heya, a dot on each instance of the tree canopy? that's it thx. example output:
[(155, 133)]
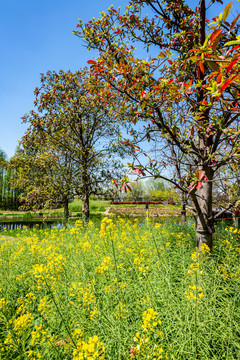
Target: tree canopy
[(77, 124), (192, 66)]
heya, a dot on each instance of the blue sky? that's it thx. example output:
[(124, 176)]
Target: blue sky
[(36, 36)]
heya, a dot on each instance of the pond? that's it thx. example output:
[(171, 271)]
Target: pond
[(36, 224), (95, 218), (14, 224)]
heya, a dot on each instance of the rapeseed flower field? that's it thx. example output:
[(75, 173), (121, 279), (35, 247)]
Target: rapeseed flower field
[(119, 290)]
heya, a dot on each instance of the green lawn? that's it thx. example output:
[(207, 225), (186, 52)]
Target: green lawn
[(95, 206)]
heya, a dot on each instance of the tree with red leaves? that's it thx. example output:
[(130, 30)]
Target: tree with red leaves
[(195, 66)]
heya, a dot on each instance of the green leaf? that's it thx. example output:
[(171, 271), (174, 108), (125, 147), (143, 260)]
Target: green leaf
[(226, 11), (235, 42)]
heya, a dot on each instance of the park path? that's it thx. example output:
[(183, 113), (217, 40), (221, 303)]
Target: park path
[(107, 211)]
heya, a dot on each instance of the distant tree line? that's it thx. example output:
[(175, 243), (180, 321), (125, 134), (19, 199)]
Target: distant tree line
[(150, 190), (9, 196)]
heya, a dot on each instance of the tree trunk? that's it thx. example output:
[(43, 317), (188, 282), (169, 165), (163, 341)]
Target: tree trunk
[(183, 207), (85, 208), (66, 212), (235, 215), (1, 185), (203, 196), (203, 204)]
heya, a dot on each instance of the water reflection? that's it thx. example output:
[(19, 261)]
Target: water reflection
[(30, 225)]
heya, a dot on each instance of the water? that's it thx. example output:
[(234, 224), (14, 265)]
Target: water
[(31, 225)]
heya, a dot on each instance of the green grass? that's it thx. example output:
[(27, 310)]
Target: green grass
[(102, 205), (94, 205), (120, 291)]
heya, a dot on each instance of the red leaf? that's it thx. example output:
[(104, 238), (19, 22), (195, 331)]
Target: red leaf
[(199, 184), (235, 48), (192, 187), (232, 64), (138, 171), (215, 34), (216, 41), (228, 82), (91, 62), (132, 353), (192, 50), (234, 22), (219, 78), (143, 93)]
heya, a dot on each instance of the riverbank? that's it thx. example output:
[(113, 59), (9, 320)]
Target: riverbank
[(97, 207)]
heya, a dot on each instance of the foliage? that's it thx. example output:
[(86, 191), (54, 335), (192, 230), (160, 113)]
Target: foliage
[(187, 90), (137, 192), (147, 191), (119, 290), (159, 190), (45, 175), (227, 188), (77, 123), (9, 197), (165, 195)]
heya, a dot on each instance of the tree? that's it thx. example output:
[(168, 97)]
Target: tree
[(177, 165), (46, 176), (77, 123), (154, 185), (3, 159), (227, 190), (137, 192), (9, 197), (159, 190), (190, 68)]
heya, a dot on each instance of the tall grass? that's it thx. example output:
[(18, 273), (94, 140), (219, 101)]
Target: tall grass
[(119, 291)]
